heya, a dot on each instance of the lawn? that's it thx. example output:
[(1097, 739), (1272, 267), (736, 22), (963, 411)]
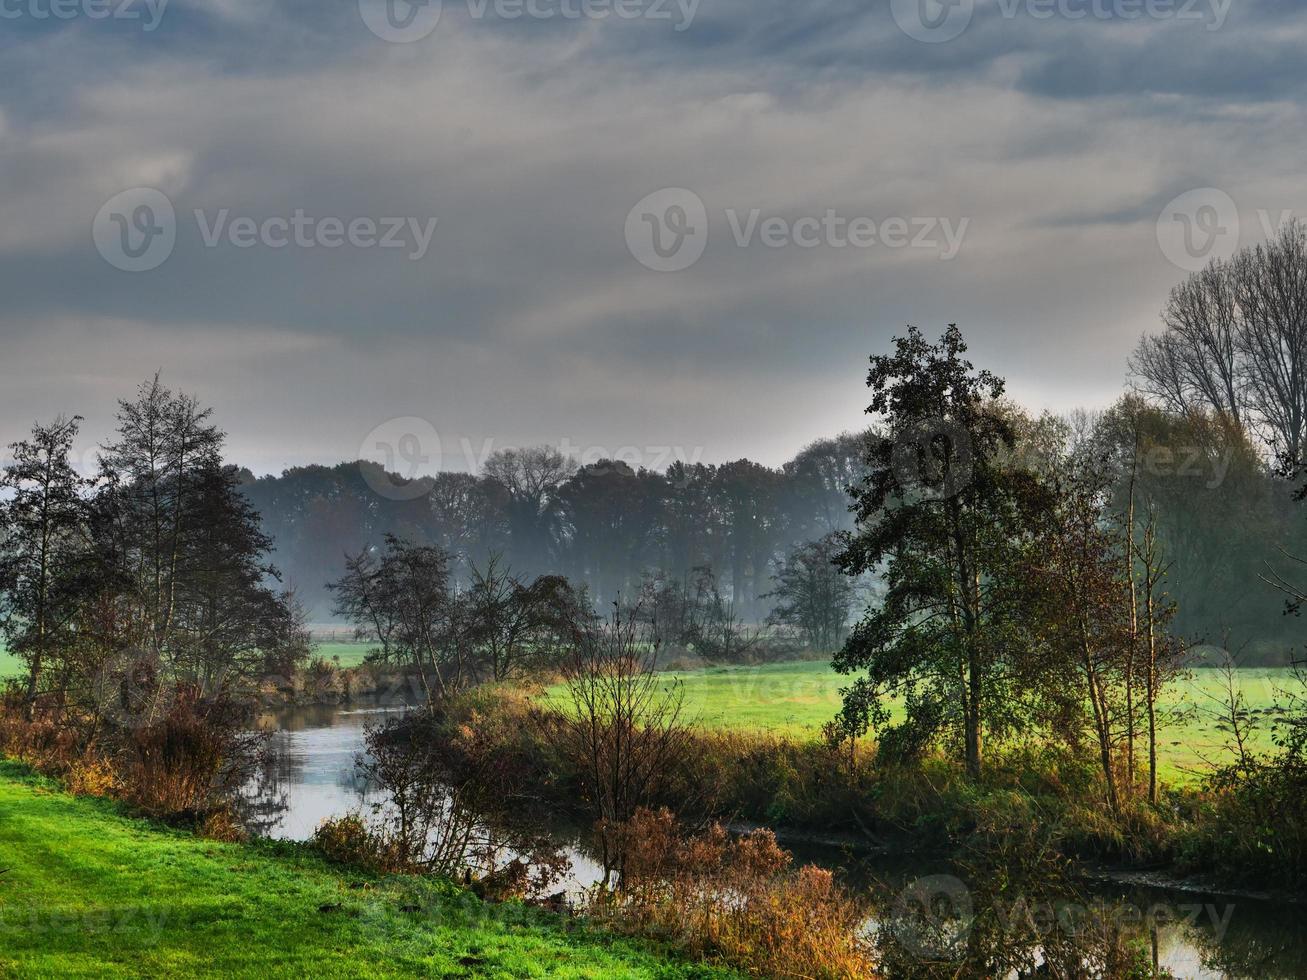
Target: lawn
[(86, 891), (346, 654), (796, 699), (10, 666)]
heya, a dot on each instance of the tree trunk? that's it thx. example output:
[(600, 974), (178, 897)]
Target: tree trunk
[(1133, 636)]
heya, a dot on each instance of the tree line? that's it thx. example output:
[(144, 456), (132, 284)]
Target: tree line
[(604, 525)]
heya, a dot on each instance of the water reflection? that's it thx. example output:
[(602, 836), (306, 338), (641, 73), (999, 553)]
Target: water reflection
[(311, 775), (310, 772)]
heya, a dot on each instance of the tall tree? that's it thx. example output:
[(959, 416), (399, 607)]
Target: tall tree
[(531, 478), (43, 548), (402, 598), (947, 523), (183, 556)]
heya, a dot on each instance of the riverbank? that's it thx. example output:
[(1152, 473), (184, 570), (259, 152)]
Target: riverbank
[(86, 890), (795, 699)]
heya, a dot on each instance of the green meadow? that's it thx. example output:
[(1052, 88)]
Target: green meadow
[(797, 699), (10, 666), (345, 654), (88, 892)]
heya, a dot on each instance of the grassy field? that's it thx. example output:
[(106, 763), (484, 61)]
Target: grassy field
[(85, 891), (796, 699), (9, 664), (346, 654)]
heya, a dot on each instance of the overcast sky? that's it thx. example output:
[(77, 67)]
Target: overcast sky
[(1015, 178)]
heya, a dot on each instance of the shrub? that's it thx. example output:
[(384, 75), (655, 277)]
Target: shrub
[(92, 776), (349, 841), (191, 762), (736, 899)]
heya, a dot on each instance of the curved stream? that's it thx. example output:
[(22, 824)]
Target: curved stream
[(311, 776)]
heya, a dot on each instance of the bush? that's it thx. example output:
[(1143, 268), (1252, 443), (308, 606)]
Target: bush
[(350, 842), (190, 763), (1250, 824), (736, 899), (93, 776)]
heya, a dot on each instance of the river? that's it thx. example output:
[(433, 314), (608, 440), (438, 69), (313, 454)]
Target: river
[(311, 776)]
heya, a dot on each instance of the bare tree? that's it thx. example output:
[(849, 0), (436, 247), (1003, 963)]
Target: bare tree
[(403, 600), (1271, 285), (621, 727), (814, 593), (514, 625), (1161, 651), (1235, 343)]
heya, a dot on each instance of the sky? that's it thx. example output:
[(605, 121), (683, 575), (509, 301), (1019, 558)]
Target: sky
[(651, 229)]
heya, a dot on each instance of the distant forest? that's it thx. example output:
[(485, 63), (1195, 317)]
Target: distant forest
[(1226, 521)]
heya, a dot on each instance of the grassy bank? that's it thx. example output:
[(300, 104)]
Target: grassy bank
[(87, 891)]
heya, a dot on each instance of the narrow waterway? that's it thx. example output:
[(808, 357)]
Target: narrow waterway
[(311, 775)]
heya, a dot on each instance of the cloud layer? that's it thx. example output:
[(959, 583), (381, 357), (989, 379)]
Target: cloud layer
[(1057, 139)]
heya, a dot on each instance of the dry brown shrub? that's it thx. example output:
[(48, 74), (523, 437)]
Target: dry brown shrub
[(222, 825), (92, 776), (735, 899), (190, 762), (349, 841)]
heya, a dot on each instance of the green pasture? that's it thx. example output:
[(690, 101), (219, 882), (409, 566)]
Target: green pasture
[(10, 666), (346, 654), (797, 699)]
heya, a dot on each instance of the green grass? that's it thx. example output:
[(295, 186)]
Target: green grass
[(10, 666), (86, 891), (797, 699), (347, 654)]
